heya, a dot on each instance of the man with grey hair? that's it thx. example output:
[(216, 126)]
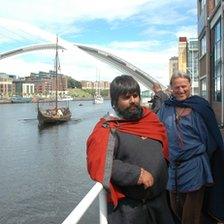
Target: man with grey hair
[(196, 155)]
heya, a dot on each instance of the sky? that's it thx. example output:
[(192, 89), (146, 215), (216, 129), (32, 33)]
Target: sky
[(143, 32)]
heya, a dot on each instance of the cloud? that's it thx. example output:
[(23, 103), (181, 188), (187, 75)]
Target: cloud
[(143, 32), (140, 45), (187, 31), (23, 68), (56, 11)]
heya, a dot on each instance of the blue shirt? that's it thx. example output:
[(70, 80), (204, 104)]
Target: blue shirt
[(188, 138)]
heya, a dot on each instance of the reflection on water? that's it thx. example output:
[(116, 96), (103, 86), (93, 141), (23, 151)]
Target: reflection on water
[(43, 171)]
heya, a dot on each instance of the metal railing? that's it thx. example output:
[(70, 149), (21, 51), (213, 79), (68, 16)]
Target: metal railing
[(97, 190)]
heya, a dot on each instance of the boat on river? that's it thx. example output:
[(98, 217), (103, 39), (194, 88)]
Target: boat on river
[(21, 99), (53, 116), (57, 114), (97, 98), (66, 98)]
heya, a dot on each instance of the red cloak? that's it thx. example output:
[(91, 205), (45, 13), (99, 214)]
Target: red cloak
[(148, 126)]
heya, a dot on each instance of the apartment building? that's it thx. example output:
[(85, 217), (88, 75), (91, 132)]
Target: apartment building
[(45, 83), (6, 88), (27, 89), (192, 63), (211, 54), (23, 88), (182, 54), (173, 65), (95, 85), (187, 61)]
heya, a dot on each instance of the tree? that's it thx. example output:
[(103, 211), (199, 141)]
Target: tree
[(72, 83)]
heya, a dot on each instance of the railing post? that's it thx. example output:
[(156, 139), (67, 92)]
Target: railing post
[(103, 207), (84, 204)]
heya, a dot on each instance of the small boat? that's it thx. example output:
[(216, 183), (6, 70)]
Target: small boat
[(66, 98), (98, 99), (20, 99), (56, 114), (53, 116)]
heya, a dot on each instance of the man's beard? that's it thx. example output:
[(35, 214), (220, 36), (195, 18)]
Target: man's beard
[(130, 113)]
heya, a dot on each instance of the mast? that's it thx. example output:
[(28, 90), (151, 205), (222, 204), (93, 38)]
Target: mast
[(56, 74), (99, 84)]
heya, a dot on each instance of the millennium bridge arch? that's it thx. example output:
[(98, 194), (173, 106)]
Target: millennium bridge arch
[(28, 49), (114, 61)]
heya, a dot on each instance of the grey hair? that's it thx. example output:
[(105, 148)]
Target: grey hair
[(157, 85), (179, 74)]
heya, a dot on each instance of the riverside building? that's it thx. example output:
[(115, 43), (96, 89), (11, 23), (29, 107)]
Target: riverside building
[(211, 54)]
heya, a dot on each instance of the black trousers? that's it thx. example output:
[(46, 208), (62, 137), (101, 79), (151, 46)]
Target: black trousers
[(188, 206), (130, 211)]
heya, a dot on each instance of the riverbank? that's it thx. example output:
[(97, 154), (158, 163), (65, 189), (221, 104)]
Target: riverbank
[(7, 101)]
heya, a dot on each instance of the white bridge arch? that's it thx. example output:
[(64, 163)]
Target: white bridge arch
[(104, 56)]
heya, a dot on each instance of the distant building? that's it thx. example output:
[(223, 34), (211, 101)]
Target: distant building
[(192, 63), (87, 84), (61, 83), (211, 54), (6, 89), (23, 88), (45, 83), (182, 54), (104, 85), (27, 89), (95, 85), (187, 61), (173, 65), (40, 75)]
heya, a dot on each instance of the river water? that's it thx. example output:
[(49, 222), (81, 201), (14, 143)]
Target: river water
[(43, 172)]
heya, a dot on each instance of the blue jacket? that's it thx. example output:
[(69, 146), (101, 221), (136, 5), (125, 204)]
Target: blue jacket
[(214, 203)]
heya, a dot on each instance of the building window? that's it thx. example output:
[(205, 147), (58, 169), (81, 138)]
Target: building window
[(203, 46), (193, 59), (31, 89), (217, 2), (201, 6), (204, 88), (217, 96)]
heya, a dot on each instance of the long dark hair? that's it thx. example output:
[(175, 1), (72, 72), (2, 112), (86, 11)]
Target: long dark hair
[(122, 85)]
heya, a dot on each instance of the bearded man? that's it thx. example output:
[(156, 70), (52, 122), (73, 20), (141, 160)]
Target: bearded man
[(126, 153)]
